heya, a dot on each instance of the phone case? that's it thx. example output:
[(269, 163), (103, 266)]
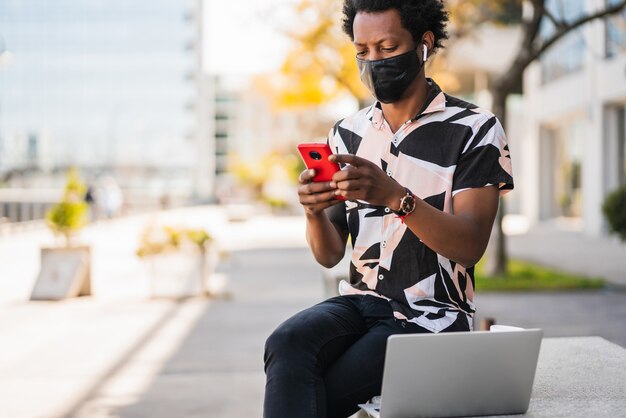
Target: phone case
[(315, 156)]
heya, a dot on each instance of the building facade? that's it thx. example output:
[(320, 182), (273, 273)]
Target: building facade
[(111, 86), (573, 149)]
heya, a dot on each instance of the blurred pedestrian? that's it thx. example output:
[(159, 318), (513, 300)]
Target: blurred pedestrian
[(110, 198), (91, 200)]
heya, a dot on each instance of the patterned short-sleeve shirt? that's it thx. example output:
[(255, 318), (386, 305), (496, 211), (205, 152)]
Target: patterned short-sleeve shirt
[(449, 147)]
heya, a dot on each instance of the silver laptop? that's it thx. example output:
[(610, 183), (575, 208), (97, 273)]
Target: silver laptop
[(458, 374)]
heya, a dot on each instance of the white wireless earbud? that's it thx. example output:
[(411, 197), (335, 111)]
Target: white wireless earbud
[(425, 55)]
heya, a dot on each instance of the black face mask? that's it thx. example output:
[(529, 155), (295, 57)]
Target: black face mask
[(388, 79)]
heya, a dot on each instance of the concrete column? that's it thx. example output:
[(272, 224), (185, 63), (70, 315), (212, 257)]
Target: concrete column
[(530, 150), (204, 173), (41, 211), (13, 215), (24, 211), (610, 148), (546, 153), (593, 174)]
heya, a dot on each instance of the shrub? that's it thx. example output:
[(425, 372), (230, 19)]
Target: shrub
[(69, 215), (614, 209), (157, 240)]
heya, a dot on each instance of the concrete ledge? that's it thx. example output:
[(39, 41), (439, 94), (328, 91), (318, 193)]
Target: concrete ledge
[(334, 275), (579, 377)]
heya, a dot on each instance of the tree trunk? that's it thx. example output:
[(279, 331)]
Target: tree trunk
[(506, 83), (509, 81), (496, 262)]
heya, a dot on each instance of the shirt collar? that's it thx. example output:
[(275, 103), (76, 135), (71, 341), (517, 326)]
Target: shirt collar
[(435, 102)]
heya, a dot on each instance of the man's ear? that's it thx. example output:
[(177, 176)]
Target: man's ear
[(429, 40)]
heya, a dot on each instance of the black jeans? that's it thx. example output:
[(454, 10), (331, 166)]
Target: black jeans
[(325, 360)]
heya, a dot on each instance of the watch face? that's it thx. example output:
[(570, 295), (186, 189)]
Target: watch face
[(407, 205)]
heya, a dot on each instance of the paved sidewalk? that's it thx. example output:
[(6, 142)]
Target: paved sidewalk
[(216, 370), (116, 271), (55, 356), (51, 354), (119, 354), (572, 251)]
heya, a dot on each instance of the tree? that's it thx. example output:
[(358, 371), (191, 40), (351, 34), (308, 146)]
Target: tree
[(614, 209), (69, 215), (532, 47), (321, 65), (323, 57)]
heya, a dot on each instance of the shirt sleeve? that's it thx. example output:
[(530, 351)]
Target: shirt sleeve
[(337, 213), (485, 161)]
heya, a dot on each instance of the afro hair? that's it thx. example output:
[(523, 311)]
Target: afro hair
[(417, 16)]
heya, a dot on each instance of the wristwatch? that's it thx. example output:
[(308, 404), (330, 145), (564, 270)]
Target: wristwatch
[(407, 205)]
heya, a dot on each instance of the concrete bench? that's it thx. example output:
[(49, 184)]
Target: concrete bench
[(333, 276), (577, 377)]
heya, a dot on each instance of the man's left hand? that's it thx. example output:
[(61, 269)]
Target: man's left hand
[(364, 180)]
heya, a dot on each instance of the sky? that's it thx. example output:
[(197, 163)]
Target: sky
[(243, 36)]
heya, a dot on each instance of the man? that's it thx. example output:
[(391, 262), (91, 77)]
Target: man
[(421, 179)]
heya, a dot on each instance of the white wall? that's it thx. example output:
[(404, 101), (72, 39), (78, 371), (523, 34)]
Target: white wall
[(585, 96)]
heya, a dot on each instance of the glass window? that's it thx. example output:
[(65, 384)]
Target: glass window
[(98, 79), (621, 147), (565, 170), (567, 55), (615, 32)]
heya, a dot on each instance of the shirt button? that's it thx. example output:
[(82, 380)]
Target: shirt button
[(384, 244), (380, 277), (387, 210), (389, 173)]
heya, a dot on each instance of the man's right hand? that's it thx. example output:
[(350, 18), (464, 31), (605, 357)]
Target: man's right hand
[(315, 196)]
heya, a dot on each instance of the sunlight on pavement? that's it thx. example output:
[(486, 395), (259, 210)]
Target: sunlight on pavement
[(264, 232), (106, 349), (133, 378), (53, 352), (116, 270)]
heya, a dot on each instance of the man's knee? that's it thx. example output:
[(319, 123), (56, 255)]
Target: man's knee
[(283, 343), (277, 341)]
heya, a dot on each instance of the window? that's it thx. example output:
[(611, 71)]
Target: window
[(621, 146), (567, 55), (562, 163), (615, 32)]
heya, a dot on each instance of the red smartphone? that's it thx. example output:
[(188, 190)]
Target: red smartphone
[(315, 156)]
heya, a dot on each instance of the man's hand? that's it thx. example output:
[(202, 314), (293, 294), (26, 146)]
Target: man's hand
[(315, 196), (364, 180)]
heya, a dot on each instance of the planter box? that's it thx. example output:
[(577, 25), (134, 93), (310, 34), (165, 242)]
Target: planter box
[(65, 273), (180, 274)]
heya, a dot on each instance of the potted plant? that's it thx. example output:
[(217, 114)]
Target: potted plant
[(180, 260), (614, 209), (65, 268)]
